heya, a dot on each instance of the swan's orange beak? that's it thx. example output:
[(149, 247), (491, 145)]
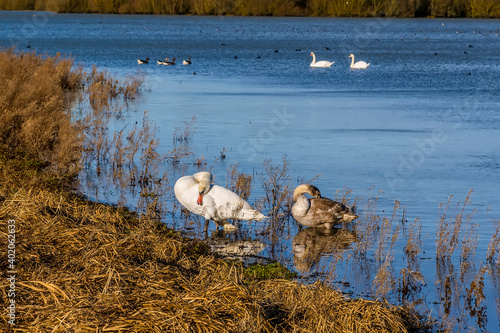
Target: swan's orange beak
[(200, 199)]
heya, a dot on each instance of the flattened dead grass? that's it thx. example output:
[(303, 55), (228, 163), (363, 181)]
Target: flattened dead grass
[(85, 266)]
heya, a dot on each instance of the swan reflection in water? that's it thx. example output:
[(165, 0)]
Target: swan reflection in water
[(221, 243), (310, 244)]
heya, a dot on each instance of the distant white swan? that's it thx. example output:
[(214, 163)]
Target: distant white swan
[(322, 63), (318, 211), (143, 61), (213, 202), (359, 64), (187, 62)]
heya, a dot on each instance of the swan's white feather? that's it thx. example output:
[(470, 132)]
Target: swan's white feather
[(218, 204)]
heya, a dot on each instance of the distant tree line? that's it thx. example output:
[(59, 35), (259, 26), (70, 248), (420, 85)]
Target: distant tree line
[(334, 8)]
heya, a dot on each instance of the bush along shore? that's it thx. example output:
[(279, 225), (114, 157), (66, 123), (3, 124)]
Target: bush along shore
[(334, 8), (73, 265)]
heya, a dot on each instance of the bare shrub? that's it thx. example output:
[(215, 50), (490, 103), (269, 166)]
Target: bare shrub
[(277, 188), (238, 182)]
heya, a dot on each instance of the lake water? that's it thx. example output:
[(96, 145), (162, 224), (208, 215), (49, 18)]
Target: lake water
[(420, 124)]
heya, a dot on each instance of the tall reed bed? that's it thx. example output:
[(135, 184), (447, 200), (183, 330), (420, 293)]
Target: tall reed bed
[(36, 99), (338, 8)]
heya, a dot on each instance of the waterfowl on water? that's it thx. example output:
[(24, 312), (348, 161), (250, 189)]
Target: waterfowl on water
[(359, 64), (143, 61), (168, 63), (162, 62), (318, 211), (213, 202), (322, 63), (187, 62)]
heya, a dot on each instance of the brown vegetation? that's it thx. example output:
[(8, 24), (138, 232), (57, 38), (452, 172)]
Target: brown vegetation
[(336, 8), (85, 266), (33, 110)]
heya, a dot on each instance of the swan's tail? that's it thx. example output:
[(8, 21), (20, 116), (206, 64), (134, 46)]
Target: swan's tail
[(253, 215), (250, 215), (348, 217), (259, 216)]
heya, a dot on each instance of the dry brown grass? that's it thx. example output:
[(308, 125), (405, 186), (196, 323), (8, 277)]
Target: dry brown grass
[(36, 95), (90, 267), (449, 227), (183, 134), (494, 246), (413, 245)]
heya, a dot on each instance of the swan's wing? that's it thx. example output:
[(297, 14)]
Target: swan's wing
[(229, 205), (327, 210), (323, 63)]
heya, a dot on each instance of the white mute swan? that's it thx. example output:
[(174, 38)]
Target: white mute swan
[(318, 211), (213, 202), (322, 63), (359, 64), (143, 61)]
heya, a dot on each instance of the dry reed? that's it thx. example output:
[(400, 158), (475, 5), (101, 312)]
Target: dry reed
[(494, 246), (36, 96), (448, 230), (339, 8), (183, 134), (413, 241)]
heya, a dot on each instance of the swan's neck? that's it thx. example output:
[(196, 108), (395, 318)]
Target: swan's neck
[(204, 180), (304, 188), (314, 59), (301, 206), (352, 61)]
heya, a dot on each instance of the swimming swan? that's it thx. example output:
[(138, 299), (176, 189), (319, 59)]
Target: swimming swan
[(322, 63), (359, 64), (318, 211), (213, 202)]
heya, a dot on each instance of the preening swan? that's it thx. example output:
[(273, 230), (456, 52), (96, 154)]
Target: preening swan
[(143, 61), (318, 211), (213, 202), (322, 63), (359, 64)]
